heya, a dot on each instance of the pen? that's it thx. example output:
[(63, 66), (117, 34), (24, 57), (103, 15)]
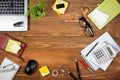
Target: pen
[(92, 49), (78, 70), (6, 65), (86, 66), (71, 75)]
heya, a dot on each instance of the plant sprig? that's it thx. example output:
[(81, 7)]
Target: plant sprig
[(37, 11)]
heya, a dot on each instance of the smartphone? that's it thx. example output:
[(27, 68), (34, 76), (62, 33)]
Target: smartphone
[(104, 54), (60, 6)]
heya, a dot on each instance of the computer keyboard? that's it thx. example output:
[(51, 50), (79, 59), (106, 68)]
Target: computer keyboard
[(11, 7)]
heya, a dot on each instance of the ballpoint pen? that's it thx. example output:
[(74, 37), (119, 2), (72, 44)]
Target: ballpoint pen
[(5, 69), (78, 70), (72, 75), (6, 65)]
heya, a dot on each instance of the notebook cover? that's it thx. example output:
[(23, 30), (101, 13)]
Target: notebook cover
[(4, 41), (110, 8)]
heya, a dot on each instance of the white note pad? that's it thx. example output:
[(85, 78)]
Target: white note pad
[(100, 17), (8, 75)]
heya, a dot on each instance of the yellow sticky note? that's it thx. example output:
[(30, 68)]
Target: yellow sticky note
[(60, 10), (56, 11), (44, 71), (13, 46)]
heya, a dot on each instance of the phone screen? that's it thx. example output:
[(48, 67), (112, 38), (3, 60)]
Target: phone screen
[(60, 6)]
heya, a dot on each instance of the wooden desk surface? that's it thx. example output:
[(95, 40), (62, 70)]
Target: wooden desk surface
[(53, 42)]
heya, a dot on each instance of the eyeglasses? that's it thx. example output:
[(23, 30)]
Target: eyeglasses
[(87, 27)]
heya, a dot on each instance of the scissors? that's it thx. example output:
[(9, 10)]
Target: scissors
[(66, 69)]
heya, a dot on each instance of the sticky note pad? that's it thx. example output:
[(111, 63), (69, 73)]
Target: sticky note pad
[(60, 10), (13, 46), (44, 71), (56, 11)]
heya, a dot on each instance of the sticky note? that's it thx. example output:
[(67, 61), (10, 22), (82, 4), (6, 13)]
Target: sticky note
[(60, 10), (56, 11), (44, 71), (13, 46)]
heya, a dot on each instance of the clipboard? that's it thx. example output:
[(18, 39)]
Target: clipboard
[(104, 13)]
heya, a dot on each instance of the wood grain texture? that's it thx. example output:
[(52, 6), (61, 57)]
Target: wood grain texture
[(53, 42)]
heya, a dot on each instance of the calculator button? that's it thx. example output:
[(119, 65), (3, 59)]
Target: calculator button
[(100, 56)]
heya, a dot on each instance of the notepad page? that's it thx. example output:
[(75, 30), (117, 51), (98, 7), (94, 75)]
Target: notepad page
[(100, 17), (11, 74)]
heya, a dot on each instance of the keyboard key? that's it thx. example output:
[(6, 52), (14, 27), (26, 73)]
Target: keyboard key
[(11, 7)]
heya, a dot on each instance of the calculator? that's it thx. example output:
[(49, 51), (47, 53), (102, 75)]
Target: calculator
[(104, 54)]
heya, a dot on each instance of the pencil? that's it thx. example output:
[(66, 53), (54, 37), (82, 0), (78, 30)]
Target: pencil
[(92, 49), (78, 70)]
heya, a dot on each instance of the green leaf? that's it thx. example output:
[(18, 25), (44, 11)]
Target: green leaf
[(37, 11)]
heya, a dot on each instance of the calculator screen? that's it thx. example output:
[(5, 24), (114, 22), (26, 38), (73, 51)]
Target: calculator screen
[(111, 53)]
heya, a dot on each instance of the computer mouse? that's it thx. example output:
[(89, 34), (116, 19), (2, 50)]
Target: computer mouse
[(30, 67)]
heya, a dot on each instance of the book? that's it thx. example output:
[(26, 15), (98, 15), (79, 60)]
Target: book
[(8, 69), (90, 59), (104, 13)]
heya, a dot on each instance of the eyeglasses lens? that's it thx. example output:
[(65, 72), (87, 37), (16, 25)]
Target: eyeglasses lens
[(82, 23), (87, 32)]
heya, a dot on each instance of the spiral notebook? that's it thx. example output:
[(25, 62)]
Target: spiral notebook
[(8, 69)]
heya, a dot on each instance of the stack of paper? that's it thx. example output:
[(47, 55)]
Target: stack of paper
[(61, 10), (90, 59)]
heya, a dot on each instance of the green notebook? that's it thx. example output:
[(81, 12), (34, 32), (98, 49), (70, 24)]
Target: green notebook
[(104, 13)]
